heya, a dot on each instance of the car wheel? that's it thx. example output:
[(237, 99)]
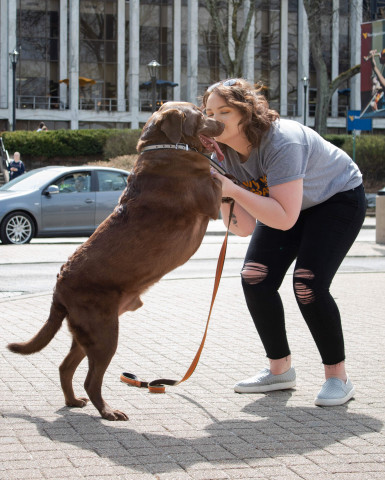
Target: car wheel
[(17, 228)]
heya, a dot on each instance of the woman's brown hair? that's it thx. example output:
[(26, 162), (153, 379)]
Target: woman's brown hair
[(257, 117)]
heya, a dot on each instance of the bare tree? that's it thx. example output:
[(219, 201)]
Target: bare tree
[(325, 85), (228, 30), (229, 34)]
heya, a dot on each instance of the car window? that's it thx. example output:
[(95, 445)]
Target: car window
[(111, 181), (29, 181), (74, 182)]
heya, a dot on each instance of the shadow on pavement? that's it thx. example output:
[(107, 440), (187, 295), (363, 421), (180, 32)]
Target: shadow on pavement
[(271, 429)]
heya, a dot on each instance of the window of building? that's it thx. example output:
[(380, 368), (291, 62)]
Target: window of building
[(37, 38), (156, 43), (98, 49)]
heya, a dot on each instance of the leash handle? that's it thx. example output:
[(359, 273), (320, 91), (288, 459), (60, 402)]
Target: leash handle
[(158, 385)]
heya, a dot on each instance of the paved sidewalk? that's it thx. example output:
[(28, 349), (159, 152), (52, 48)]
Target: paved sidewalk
[(200, 429)]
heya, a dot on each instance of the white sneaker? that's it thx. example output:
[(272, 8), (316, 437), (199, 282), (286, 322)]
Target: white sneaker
[(265, 381), (334, 392)]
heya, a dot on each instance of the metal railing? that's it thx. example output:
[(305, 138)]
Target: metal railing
[(33, 102), (101, 104), (292, 110), (98, 104), (4, 162)]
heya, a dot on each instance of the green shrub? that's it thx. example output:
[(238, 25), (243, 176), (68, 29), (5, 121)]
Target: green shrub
[(72, 146), (337, 140), (369, 156), (121, 143), (57, 143)]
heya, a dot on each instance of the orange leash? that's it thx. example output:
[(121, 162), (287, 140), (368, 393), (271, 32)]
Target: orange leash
[(158, 385)]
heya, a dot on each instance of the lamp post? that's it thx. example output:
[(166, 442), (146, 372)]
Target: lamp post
[(153, 68), (14, 57), (305, 84)]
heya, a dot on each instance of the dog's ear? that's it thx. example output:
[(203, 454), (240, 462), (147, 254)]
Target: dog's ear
[(172, 121), (190, 125), (150, 127)]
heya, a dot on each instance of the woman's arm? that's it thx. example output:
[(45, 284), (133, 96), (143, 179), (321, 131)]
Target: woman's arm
[(280, 210), (376, 70), (241, 222)]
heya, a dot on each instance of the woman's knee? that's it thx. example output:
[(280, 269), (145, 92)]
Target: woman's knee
[(303, 290), (254, 273)]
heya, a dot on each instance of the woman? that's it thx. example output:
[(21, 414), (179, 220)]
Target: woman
[(309, 202)]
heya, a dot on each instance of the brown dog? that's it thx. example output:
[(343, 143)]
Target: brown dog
[(158, 224)]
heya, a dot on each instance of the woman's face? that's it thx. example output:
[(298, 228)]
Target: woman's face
[(217, 108)]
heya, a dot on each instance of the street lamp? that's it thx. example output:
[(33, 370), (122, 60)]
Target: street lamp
[(14, 57), (305, 84), (153, 68)]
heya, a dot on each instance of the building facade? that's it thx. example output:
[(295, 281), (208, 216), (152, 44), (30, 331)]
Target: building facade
[(83, 63)]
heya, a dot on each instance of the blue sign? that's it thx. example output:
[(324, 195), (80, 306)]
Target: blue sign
[(355, 122)]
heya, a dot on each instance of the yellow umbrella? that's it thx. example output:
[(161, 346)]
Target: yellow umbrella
[(83, 81)]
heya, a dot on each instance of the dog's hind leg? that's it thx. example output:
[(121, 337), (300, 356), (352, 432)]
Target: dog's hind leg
[(99, 354), (67, 370)]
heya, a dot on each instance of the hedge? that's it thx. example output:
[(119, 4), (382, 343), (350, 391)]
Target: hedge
[(81, 145), (69, 143), (369, 156)]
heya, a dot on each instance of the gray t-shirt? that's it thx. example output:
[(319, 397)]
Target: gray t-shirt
[(289, 151)]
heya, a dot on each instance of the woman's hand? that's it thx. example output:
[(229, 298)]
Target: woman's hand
[(227, 184), (372, 54)]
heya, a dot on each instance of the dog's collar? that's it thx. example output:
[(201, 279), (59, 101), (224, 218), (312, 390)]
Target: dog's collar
[(163, 146)]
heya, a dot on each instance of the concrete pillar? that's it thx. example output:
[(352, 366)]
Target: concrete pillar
[(303, 56), (120, 60), (63, 60), (284, 40), (4, 57), (248, 58), (12, 43), (177, 67), (133, 73), (73, 67), (380, 219), (230, 41), (355, 52), (335, 51), (192, 51)]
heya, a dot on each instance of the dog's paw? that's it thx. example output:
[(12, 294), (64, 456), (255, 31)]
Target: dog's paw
[(114, 415), (77, 402)]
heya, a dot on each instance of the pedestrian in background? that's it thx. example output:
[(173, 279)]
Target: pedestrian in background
[(309, 202), (42, 126), (16, 167)]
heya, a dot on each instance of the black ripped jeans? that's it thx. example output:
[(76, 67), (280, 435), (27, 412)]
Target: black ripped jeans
[(319, 241)]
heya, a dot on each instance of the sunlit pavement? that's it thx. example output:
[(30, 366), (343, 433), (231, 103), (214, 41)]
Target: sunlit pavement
[(200, 429)]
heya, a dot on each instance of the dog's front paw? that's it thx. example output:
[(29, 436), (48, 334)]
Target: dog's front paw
[(77, 402), (114, 415)]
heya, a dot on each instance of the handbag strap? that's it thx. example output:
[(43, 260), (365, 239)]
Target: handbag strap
[(158, 385)]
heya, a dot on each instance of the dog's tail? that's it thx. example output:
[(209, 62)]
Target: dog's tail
[(45, 334)]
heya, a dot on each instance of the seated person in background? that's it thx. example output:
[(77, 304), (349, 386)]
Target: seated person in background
[(80, 184)]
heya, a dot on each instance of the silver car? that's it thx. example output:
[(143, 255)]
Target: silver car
[(58, 202)]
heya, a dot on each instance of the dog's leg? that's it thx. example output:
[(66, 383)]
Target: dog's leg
[(67, 370), (99, 356)]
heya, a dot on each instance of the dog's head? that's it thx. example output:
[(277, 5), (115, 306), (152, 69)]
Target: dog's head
[(181, 122)]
